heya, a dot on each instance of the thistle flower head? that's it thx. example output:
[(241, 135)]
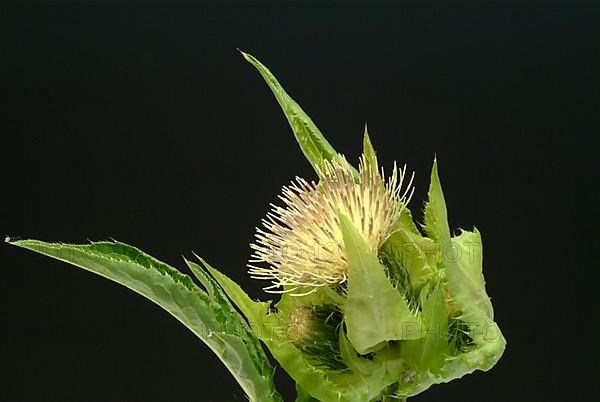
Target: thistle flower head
[(301, 247)]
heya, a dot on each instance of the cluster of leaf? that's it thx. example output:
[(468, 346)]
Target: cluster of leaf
[(414, 315)]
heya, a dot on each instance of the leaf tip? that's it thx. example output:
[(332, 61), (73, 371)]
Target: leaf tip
[(344, 220), (249, 57), (200, 259), (16, 241), (435, 176), (366, 139), (368, 151)]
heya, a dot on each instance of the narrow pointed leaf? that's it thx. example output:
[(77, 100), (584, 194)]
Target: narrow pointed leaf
[(369, 151), (229, 314), (436, 216), (314, 145), (254, 311), (210, 320)]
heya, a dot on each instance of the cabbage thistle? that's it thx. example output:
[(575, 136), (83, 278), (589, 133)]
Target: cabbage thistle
[(372, 307)]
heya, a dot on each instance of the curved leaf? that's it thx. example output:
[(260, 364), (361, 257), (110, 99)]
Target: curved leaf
[(209, 318), (229, 314), (313, 143)]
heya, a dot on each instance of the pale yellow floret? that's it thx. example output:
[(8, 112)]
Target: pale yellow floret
[(301, 245), (300, 325)]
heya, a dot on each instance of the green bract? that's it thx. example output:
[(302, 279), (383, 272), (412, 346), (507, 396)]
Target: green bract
[(410, 314)]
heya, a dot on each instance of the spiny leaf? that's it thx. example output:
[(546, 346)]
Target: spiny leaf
[(254, 311), (436, 216), (209, 319), (314, 145), (230, 315), (467, 289)]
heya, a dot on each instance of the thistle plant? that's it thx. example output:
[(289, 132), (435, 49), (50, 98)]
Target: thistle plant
[(370, 306)]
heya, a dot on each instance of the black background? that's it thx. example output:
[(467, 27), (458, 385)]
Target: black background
[(140, 122)]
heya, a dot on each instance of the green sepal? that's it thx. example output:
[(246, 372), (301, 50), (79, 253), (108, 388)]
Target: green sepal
[(210, 318), (418, 255), (406, 222), (436, 216), (466, 287), (464, 270), (430, 352), (375, 312), (314, 145), (387, 356), (355, 362)]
